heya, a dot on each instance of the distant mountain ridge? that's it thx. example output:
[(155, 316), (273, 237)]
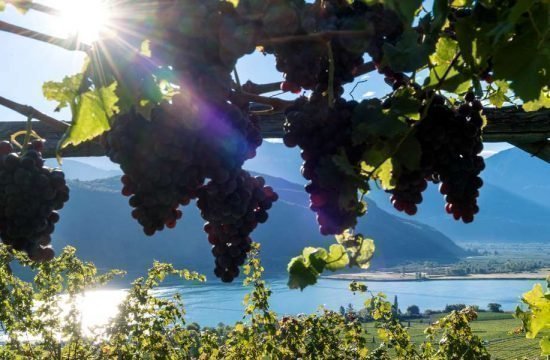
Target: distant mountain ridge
[(97, 222), (514, 201)]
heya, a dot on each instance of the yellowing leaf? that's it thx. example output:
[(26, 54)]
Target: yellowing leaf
[(545, 345), (91, 115), (366, 252), (542, 102), (538, 317), (146, 48), (337, 257)]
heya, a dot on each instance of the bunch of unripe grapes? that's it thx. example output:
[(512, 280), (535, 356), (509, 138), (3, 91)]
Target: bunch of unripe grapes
[(30, 195), (322, 132), (233, 209), (451, 145)]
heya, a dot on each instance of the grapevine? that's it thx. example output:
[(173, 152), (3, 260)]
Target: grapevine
[(181, 127), (30, 195)]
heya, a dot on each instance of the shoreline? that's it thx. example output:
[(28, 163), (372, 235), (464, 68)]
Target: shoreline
[(542, 274)]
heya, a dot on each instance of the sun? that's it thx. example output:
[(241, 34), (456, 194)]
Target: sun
[(86, 19)]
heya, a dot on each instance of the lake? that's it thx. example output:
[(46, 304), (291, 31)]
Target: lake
[(211, 303)]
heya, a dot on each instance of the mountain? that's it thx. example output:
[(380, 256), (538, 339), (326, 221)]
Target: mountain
[(97, 222), (504, 216), (275, 159), (77, 170), (514, 201), (519, 172)]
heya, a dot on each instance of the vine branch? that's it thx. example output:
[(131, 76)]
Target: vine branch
[(322, 36), (67, 44), (29, 5), (258, 89), (30, 112)]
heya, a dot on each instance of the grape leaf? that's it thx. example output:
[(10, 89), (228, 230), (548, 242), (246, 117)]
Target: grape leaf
[(304, 270), (64, 92), (337, 257), (405, 105), (542, 102), (537, 317), (316, 258), (440, 11), (408, 54), (93, 110), (300, 275), (366, 252), (498, 97), (407, 10), (444, 73), (371, 122), (524, 64), (545, 345), (461, 3), (408, 154)]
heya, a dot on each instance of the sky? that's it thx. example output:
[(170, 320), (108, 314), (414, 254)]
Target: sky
[(26, 64)]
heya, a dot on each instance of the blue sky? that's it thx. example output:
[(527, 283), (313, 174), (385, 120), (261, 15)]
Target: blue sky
[(26, 64)]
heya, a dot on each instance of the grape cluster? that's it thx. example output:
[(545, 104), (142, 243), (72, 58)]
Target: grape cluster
[(233, 209), (30, 195), (451, 143), (160, 169), (305, 63), (322, 132), (202, 40), (407, 193)]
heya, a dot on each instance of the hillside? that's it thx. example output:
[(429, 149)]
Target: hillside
[(514, 202), (75, 169), (97, 222)]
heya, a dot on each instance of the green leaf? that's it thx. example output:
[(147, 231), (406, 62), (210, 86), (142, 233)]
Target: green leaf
[(366, 252), (93, 111), (406, 10), (384, 174), (524, 64), (316, 258), (405, 105), (442, 74), (337, 258), (408, 154), (545, 345), (63, 92), (408, 54), (371, 122), (542, 102), (538, 316), (498, 97), (300, 275), (440, 11), (461, 3)]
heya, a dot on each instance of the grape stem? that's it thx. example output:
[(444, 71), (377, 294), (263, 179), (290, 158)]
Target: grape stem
[(322, 36), (278, 105), (31, 112), (28, 133), (68, 44), (331, 70), (258, 89)]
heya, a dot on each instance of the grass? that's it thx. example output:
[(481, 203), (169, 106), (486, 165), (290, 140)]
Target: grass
[(494, 328)]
